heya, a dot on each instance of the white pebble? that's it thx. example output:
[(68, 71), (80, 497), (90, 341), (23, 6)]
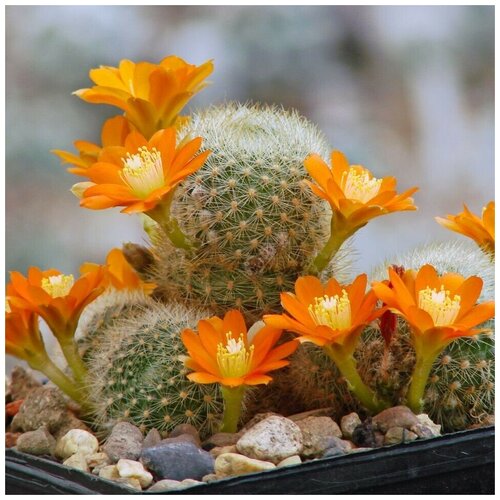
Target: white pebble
[(133, 469), (76, 441)]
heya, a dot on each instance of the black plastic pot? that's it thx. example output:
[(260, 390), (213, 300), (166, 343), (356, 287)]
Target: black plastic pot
[(459, 463)]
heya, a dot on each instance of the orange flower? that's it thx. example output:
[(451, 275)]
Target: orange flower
[(56, 297), (139, 175), (330, 314), (114, 133), (482, 231), (353, 193), (151, 95), (438, 308), (22, 335), (119, 274), (222, 352)]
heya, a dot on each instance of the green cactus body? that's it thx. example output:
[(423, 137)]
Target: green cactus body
[(138, 374), (460, 390), (254, 221)]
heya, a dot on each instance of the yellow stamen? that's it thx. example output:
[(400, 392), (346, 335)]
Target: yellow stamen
[(334, 312), (439, 305), (143, 171), (7, 306), (359, 186), (58, 286), (233, 358)]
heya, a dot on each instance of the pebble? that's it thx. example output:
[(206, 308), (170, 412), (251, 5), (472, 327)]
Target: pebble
[(183, 438), (42, 406), (77, 461), (109, 472), (336, 446), (172, 485), (424, 420), (97, 461), (293, 460), (132, 469), (209, 478), (397, 416), (125, 441), (76, 441), (396, 435), (258, 417), (183, 429), (39, 442), (221, 439), (21, 382), (364, 435), (234, 464), (348, 423), (219, 450), (132, 482), (178, 460), (315, 433), (272, 439), (153, 437)]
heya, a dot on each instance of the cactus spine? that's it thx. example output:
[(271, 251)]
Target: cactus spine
[(138, 374)]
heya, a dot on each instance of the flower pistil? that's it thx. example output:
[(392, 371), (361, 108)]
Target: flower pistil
[(442, 308), (58, 286), (233, 359), (334, 312), (143, 171), (359, 186)]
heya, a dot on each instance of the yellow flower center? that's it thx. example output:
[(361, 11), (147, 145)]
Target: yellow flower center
[(359, 186), (143, 171), (7, 306), (58, 286), (439, 305), (233, 358), (334, 312)]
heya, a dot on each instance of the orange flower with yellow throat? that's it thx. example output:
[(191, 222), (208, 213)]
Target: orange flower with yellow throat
[(438, 309), (355, 197), (332, 316), (141, 174), (24, 341), (59, 300), (480, 229), (151, 95), (224, 352)]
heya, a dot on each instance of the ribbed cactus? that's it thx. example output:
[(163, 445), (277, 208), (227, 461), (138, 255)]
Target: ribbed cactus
[(138, 374), (253, 219), (460, 391)]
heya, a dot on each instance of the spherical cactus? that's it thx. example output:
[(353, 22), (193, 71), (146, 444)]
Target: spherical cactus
[(138, 374), (254, 221)]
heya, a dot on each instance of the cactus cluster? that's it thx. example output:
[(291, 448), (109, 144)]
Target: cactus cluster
[(460, 391), (138, 375), (249, 212)]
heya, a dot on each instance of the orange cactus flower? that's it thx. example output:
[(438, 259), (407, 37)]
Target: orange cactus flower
[(114, 133), (22, 334), (438, 309), (222, 352), (119, 274), (481, 230), (333, 317), (141, 174), (151, 95), (355, 197), (327, 314), (56, 297)]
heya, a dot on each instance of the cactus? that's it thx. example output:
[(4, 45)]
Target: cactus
[(460, 391), (253, 219), (138, 374)]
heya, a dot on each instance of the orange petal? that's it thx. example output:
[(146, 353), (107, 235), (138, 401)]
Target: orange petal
[(203, 378), (296, 309), (307, 288)]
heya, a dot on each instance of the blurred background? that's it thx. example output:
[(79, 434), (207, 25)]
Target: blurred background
[(405, 91)]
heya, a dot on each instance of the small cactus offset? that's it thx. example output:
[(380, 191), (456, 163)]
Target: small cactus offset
[(138, 374), (253, 220)]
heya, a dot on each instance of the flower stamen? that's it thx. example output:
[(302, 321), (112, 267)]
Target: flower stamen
[(334, 312), (143, 171), (234, 359), (58, 286), (439, 305), (359, 186)]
